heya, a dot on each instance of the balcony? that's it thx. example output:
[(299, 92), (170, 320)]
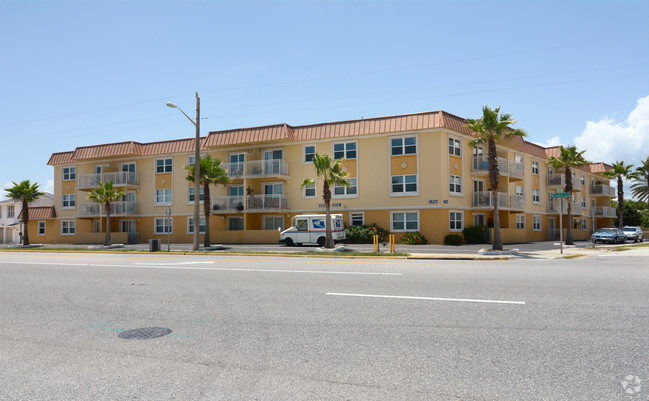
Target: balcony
[(266, 168), (120, 208), (481, 165), (602, 190), (604, 211), (516, 170), (119, 179), (556, 180), (553, 207), (254, 203), (486, 199), (235, 170), (517, 201)]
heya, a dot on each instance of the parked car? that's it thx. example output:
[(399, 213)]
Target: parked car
[(610, 235), (633, 233)]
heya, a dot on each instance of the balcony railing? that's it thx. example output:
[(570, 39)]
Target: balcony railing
[(604, 211), (261, 168), (516, 169), (119, 179), (602, 190), (517, 201), (486, 199), (119, 208), (556, 179), (480, 163), (268, 202), (225, 203), (235, 170), (553, 207)]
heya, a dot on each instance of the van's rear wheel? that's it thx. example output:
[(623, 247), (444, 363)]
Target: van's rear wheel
[(289, 242), (321, 242)]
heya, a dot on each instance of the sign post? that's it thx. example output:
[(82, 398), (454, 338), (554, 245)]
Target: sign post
[(168, 228), (560, 194)]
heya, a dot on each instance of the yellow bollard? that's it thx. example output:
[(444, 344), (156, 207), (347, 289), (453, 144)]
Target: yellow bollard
[(391, 243), (375, 243)]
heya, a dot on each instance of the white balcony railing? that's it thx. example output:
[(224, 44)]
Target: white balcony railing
[(119, 179), (225, 203), (517, 201), (516, 169), (260, 168), (235, 170), (604, 211), (480, 163), (268, 202), (486, 199), (119, 208), (556, 179), (602, 190)]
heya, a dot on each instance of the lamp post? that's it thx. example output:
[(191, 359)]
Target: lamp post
[(197, 156)]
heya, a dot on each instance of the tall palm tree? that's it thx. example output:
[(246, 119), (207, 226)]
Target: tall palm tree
[(331, 172), (568, 159), (640, 187), (489, 128), (620, 171), (211, 173), (25, 192), (106, 194)]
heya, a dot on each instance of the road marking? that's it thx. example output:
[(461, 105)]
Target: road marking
[(486, 301), (233, 269), (176, 263)]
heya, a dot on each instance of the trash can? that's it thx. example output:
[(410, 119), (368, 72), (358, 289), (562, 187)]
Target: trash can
[(154, 245)]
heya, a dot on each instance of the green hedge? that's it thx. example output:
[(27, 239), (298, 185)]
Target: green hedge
[(363, 234)]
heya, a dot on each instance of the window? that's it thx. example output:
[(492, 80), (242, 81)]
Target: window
[(201, 196), (163, 196), (455, 184), (191, 160), (309, 190), (479, 219), (235, 223), (455, 220), (41, 228), (309, 153), (69, 173), (536, 223), (11, 211), (163, 166), (96, 226), (520, 221), (356, 219), (454, 147), (341, 190), (69, 201), (583, 202), (535, 167), (405, 221), (584, 224), (302, 225), (583, 180), (68, 227), (190, 225), (403, 146), (163, 226), (272, 223), (536, 196), (575, 223), (520, 190), (404, 184), (345, 150)]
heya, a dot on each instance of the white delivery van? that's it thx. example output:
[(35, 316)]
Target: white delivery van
[(310, 229)]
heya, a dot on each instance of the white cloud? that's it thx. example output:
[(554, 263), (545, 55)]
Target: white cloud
[(49, 187), (609, 141), (554, 141)]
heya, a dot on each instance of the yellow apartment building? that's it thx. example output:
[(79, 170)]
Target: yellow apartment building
[(414, 172)]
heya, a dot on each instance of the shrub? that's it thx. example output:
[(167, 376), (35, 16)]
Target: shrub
[(363, 234), (413, 239), (454, 239), (475, 235)]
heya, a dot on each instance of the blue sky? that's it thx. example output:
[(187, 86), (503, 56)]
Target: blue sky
[(76, 73)]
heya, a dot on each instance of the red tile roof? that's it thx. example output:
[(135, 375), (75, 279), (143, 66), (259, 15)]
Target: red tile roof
[(39, 212)]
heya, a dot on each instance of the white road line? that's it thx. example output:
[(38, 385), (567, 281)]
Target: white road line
[(233, 269), (487, 301), (176, 263)]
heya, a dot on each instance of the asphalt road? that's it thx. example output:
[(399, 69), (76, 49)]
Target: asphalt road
[(254, 328)]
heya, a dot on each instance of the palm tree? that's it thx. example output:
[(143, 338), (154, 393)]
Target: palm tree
[(493, 126), (331, 173), (211, 172), (106, 194), (619, 172), (640, 187), (25, 192), (568, 159)]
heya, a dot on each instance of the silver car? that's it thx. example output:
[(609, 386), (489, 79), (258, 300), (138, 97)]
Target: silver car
[(633, 233), (610, 235)]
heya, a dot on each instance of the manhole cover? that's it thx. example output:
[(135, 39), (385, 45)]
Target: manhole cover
[(145, 333)]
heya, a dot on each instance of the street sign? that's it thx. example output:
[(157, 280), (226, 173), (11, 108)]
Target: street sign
[(560, 195), (559, 190)]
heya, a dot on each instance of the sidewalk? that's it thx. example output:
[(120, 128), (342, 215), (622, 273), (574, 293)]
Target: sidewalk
[(531, 250)]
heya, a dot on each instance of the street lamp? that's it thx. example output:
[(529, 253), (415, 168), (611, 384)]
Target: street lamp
[(197, 156)]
